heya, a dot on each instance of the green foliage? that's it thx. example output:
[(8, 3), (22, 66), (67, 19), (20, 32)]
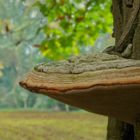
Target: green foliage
[(72, 24)]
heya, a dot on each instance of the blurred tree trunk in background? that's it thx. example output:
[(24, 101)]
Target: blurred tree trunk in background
[(122, 9)]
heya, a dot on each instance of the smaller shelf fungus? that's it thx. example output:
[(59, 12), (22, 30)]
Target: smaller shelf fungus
[(100, 83)]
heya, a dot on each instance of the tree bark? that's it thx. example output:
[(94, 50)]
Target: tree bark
[(137, 129), (118, 130), (122, 9), (136, 55), (136, 41)]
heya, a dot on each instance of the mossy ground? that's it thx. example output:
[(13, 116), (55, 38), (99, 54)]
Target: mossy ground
[(52, 126)]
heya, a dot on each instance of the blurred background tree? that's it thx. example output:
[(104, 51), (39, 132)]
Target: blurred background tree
[(32, 31)]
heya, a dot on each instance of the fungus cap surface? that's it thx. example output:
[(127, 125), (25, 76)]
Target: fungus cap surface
[(109, 86)]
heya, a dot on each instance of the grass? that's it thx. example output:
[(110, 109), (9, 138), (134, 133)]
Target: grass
[(52, 126)]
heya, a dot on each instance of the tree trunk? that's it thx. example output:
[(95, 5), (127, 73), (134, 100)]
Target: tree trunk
[(122, 11), (136, 55), (137, 129), (118, 130)]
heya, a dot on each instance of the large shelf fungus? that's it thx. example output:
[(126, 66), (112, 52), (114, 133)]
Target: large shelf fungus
[(99, 83)]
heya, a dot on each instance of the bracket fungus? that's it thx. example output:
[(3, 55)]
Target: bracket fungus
[(100, 83)]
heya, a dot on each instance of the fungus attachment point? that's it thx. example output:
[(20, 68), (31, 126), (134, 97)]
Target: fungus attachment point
[(99, 83)]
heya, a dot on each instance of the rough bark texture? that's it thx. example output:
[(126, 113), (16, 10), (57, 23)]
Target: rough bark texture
[(122, 10), (136, 55), (118, 130), (87, 62), (136, 41), (137, 129)]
